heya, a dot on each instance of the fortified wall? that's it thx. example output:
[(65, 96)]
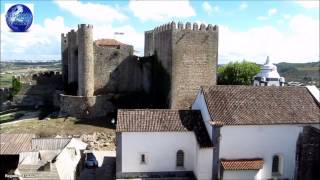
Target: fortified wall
[(38, 89), (96, 73), (178, 60), (189, 54)]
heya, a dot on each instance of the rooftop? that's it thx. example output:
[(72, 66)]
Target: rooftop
[(242, 164), (49, 143), (108, 42), (15, 143), (261, 105), (163, 120)]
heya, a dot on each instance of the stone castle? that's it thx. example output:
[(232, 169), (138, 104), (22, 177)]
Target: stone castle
[(103, 75)]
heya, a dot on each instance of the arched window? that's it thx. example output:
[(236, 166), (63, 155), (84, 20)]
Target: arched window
[(180, 158), (275, 164)]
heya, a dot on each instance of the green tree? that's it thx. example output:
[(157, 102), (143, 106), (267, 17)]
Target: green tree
[(16, 86), (237, 73)]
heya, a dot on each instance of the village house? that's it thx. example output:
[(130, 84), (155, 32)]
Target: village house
[(232, 132), (162, 143), (256, 129), (26, 157)]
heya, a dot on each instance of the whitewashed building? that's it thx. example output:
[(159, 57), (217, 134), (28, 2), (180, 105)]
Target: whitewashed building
[(163, 143), (268, 76), (255, 129)]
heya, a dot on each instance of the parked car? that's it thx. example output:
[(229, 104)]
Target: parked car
[(90, 160)]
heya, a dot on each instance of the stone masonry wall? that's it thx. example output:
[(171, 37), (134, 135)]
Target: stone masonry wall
[(189, 54), (72, 56), (64, 57), (85, 61), (85, 107), (195, 57), (38, 89), (308, 154)]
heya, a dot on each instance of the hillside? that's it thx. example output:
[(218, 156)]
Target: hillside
[(301, 72)]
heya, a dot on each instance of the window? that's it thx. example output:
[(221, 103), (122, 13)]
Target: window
[(276, 165), (180, 158), (143, 159)]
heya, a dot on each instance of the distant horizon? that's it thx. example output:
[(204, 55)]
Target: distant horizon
[(247, 29), (37, 61)]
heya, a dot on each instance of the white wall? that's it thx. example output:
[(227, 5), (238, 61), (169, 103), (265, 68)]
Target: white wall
[(200, 104), (261, 141), (203, 169), (160, 149), (239, 175)]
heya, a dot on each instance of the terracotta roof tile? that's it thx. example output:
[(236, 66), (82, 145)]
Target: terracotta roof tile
[(258, 105), (15, 143), (163, 120), (107, 42), (242, 164)]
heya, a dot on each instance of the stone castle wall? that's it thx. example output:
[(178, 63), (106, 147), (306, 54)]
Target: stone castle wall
[(85, 61), (38, 89), (178, 60), (88, 107), (116, 70), (72, 56), (4, 95), (189, 55)]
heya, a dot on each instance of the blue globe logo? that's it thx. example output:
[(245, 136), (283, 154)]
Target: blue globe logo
[(19, 18)]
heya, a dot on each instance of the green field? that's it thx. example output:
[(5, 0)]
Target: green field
[(301, 72), (5, 80), (9, 69)]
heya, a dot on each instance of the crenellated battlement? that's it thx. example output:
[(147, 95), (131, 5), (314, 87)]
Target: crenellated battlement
[(85, 26), (44, 77), (187, 26)]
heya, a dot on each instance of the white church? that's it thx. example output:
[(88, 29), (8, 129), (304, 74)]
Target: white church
[(268, 76), (229, 132)]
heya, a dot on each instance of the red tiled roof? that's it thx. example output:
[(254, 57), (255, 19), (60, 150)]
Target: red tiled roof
[(261, 105), (242, 164), (107, 42), (163, 120), (15, 143)]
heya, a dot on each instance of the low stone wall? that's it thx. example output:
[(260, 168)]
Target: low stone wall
[(4, 94), (86, 107)]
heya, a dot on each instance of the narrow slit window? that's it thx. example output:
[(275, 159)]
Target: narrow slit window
[(143, 159)]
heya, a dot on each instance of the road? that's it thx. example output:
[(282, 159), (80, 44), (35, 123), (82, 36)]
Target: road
[(106, 167)]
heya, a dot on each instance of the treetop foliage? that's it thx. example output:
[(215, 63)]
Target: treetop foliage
[(237, 73)]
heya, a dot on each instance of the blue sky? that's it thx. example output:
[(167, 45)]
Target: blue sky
[(287, 31)]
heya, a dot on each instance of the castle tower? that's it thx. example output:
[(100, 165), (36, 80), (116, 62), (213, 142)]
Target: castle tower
[(64, 57), (85, 61), (189, 56), (268, 76), (72, 56)]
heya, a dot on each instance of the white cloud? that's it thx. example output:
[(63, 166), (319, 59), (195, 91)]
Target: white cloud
[(92, 12), (272, 11), (262, 18), (243, 6), (161, 10), (41, 42), (216, 9), (286, 16), (300, 44), (309, 3), (207, 7)]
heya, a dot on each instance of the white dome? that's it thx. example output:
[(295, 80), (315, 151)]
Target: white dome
[(268, 70)]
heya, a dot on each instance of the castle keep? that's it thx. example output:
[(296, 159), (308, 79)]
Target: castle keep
[(178, 59)]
